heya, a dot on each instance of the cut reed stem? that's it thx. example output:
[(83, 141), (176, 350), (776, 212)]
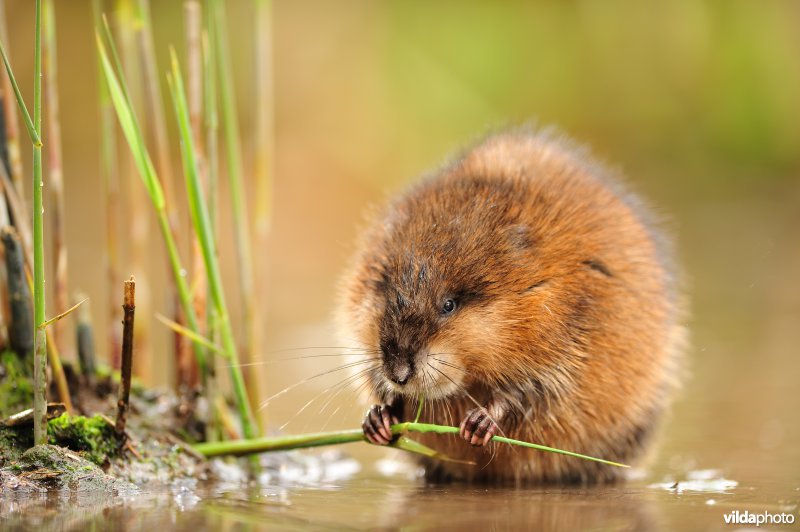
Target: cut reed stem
[(129, 310)]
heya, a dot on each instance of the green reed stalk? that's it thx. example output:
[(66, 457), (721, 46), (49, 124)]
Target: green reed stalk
[(235, 178), (40, 337), (202, 226), (283, 443), (133, 134)]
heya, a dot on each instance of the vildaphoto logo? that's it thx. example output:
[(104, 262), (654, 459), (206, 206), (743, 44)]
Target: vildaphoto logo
[(764, 518)]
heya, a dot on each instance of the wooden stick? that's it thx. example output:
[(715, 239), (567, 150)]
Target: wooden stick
[(129, 307)]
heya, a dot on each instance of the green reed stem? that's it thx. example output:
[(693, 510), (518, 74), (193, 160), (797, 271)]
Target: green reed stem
[(301, 441), (35, 130), (40, 336), (198, 209)]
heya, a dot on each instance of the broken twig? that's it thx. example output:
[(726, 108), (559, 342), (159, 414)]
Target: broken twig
[(128, 307)]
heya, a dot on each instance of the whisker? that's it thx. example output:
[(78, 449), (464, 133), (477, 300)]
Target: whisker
[(449, 365), (328, 419), (307, 379), (289, 359), (290, 349), (345, 381)]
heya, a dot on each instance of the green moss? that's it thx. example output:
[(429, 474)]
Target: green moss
[(13, 442), (16, 387), (93, 437)]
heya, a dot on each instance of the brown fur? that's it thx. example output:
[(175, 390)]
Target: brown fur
[(567, 322)]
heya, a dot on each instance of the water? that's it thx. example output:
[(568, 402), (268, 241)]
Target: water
[(369, 501), (730, 442)]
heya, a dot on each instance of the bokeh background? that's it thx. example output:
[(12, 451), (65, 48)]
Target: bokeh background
[(695, 102)]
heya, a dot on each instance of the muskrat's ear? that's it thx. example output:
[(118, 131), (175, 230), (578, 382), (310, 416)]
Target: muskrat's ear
[(519, 236)]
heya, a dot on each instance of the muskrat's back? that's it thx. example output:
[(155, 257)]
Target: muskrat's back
[(523, 293)]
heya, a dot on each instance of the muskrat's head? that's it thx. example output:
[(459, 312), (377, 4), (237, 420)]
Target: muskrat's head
[(439, 287)]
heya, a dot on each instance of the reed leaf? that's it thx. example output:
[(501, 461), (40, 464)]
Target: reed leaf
[(26, 117), (130, 128)]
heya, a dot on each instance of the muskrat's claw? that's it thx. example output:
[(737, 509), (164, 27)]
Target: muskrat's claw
[(377, 424), (478, 427)]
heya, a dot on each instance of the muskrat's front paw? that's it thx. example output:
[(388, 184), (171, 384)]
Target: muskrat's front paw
[(478, 427), (377, 424)]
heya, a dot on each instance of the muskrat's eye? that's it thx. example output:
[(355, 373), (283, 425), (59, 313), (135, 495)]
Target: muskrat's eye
[(449, 306)]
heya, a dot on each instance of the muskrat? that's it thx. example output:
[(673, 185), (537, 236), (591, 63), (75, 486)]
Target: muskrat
[(521, 291)]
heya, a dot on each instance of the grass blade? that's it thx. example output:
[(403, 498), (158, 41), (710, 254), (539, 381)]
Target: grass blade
[(127, 121), (26, 117), (180, 329), (64, 314)]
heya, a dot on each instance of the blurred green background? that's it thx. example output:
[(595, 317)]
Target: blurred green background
[(695, 102)]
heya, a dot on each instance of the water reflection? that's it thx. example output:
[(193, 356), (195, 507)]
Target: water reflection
[(371, 502)]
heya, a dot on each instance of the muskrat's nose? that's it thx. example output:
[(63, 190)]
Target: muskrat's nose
[(400, 373)]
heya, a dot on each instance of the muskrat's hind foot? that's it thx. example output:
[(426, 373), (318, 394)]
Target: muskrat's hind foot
[(377, 424), (478, 427)]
